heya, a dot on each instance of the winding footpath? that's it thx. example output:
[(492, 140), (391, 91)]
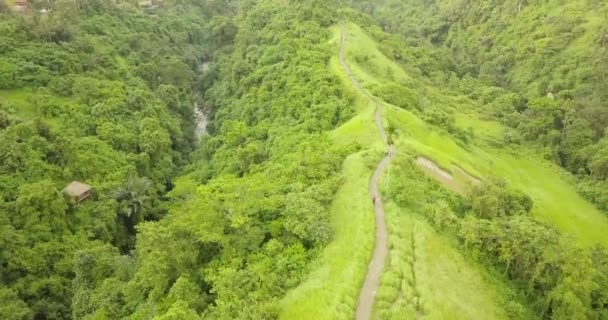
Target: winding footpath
[(374, 270)]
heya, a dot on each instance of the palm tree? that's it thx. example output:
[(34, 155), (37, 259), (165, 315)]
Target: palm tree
[(135, 193)]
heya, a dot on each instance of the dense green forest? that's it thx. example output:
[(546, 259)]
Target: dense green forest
[(104, 94), (98, 93), (495, 201)]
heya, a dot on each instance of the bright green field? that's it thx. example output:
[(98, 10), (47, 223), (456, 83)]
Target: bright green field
[(556, 200), (448, 285), (20, 101), (332, 288), (426, 275)]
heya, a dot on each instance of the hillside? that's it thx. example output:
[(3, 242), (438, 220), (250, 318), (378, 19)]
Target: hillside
[(475, 142), (392, 159), (537, 67), (104, 96)]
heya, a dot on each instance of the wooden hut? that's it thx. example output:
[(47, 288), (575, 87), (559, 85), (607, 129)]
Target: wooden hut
[(78, 190)]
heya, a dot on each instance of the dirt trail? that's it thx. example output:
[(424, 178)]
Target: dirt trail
[(374, 271), (446, 178)]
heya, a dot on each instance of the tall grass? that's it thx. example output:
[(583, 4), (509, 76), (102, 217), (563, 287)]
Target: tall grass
[(556, 199), (332, 288)]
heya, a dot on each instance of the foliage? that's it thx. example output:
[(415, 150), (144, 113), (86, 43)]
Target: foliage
[(495, 199), (251, 210), (397, 95), (532, 84), (82, 108), (103, 92), (549, 84), (491, 223)]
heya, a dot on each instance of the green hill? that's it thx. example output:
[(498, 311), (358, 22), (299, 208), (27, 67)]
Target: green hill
[(483, 122), (540, 68)]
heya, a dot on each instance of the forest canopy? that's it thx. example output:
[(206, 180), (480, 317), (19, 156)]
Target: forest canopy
[(205, 140), (105, 94)]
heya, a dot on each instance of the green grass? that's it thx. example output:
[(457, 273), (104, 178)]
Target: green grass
[(374, 70), (556, 199), (19, 100), (332, 288), (427, 276), (482, 129)]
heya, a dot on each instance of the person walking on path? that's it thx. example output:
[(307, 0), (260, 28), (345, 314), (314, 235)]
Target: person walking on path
[(376, 264)]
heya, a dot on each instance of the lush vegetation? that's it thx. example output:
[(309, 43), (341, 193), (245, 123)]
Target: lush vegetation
[(492, 223), (552, 274), (268, 215), (101, 94), (537, 67), (229, 237), (252, 209)]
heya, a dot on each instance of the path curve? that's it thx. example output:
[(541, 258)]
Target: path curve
[(376, 265)]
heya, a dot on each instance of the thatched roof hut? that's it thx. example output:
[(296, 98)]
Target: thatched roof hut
[(78, 190)]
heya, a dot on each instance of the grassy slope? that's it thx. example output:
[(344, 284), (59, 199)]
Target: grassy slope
[(17, 99), (331, 290), (556, 200), (426, 268), (449, 285)]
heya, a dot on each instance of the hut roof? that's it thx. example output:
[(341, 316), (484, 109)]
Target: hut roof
[(77, 189)]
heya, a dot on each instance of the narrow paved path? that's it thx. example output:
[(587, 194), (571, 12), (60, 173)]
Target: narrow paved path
[(374, 270)]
